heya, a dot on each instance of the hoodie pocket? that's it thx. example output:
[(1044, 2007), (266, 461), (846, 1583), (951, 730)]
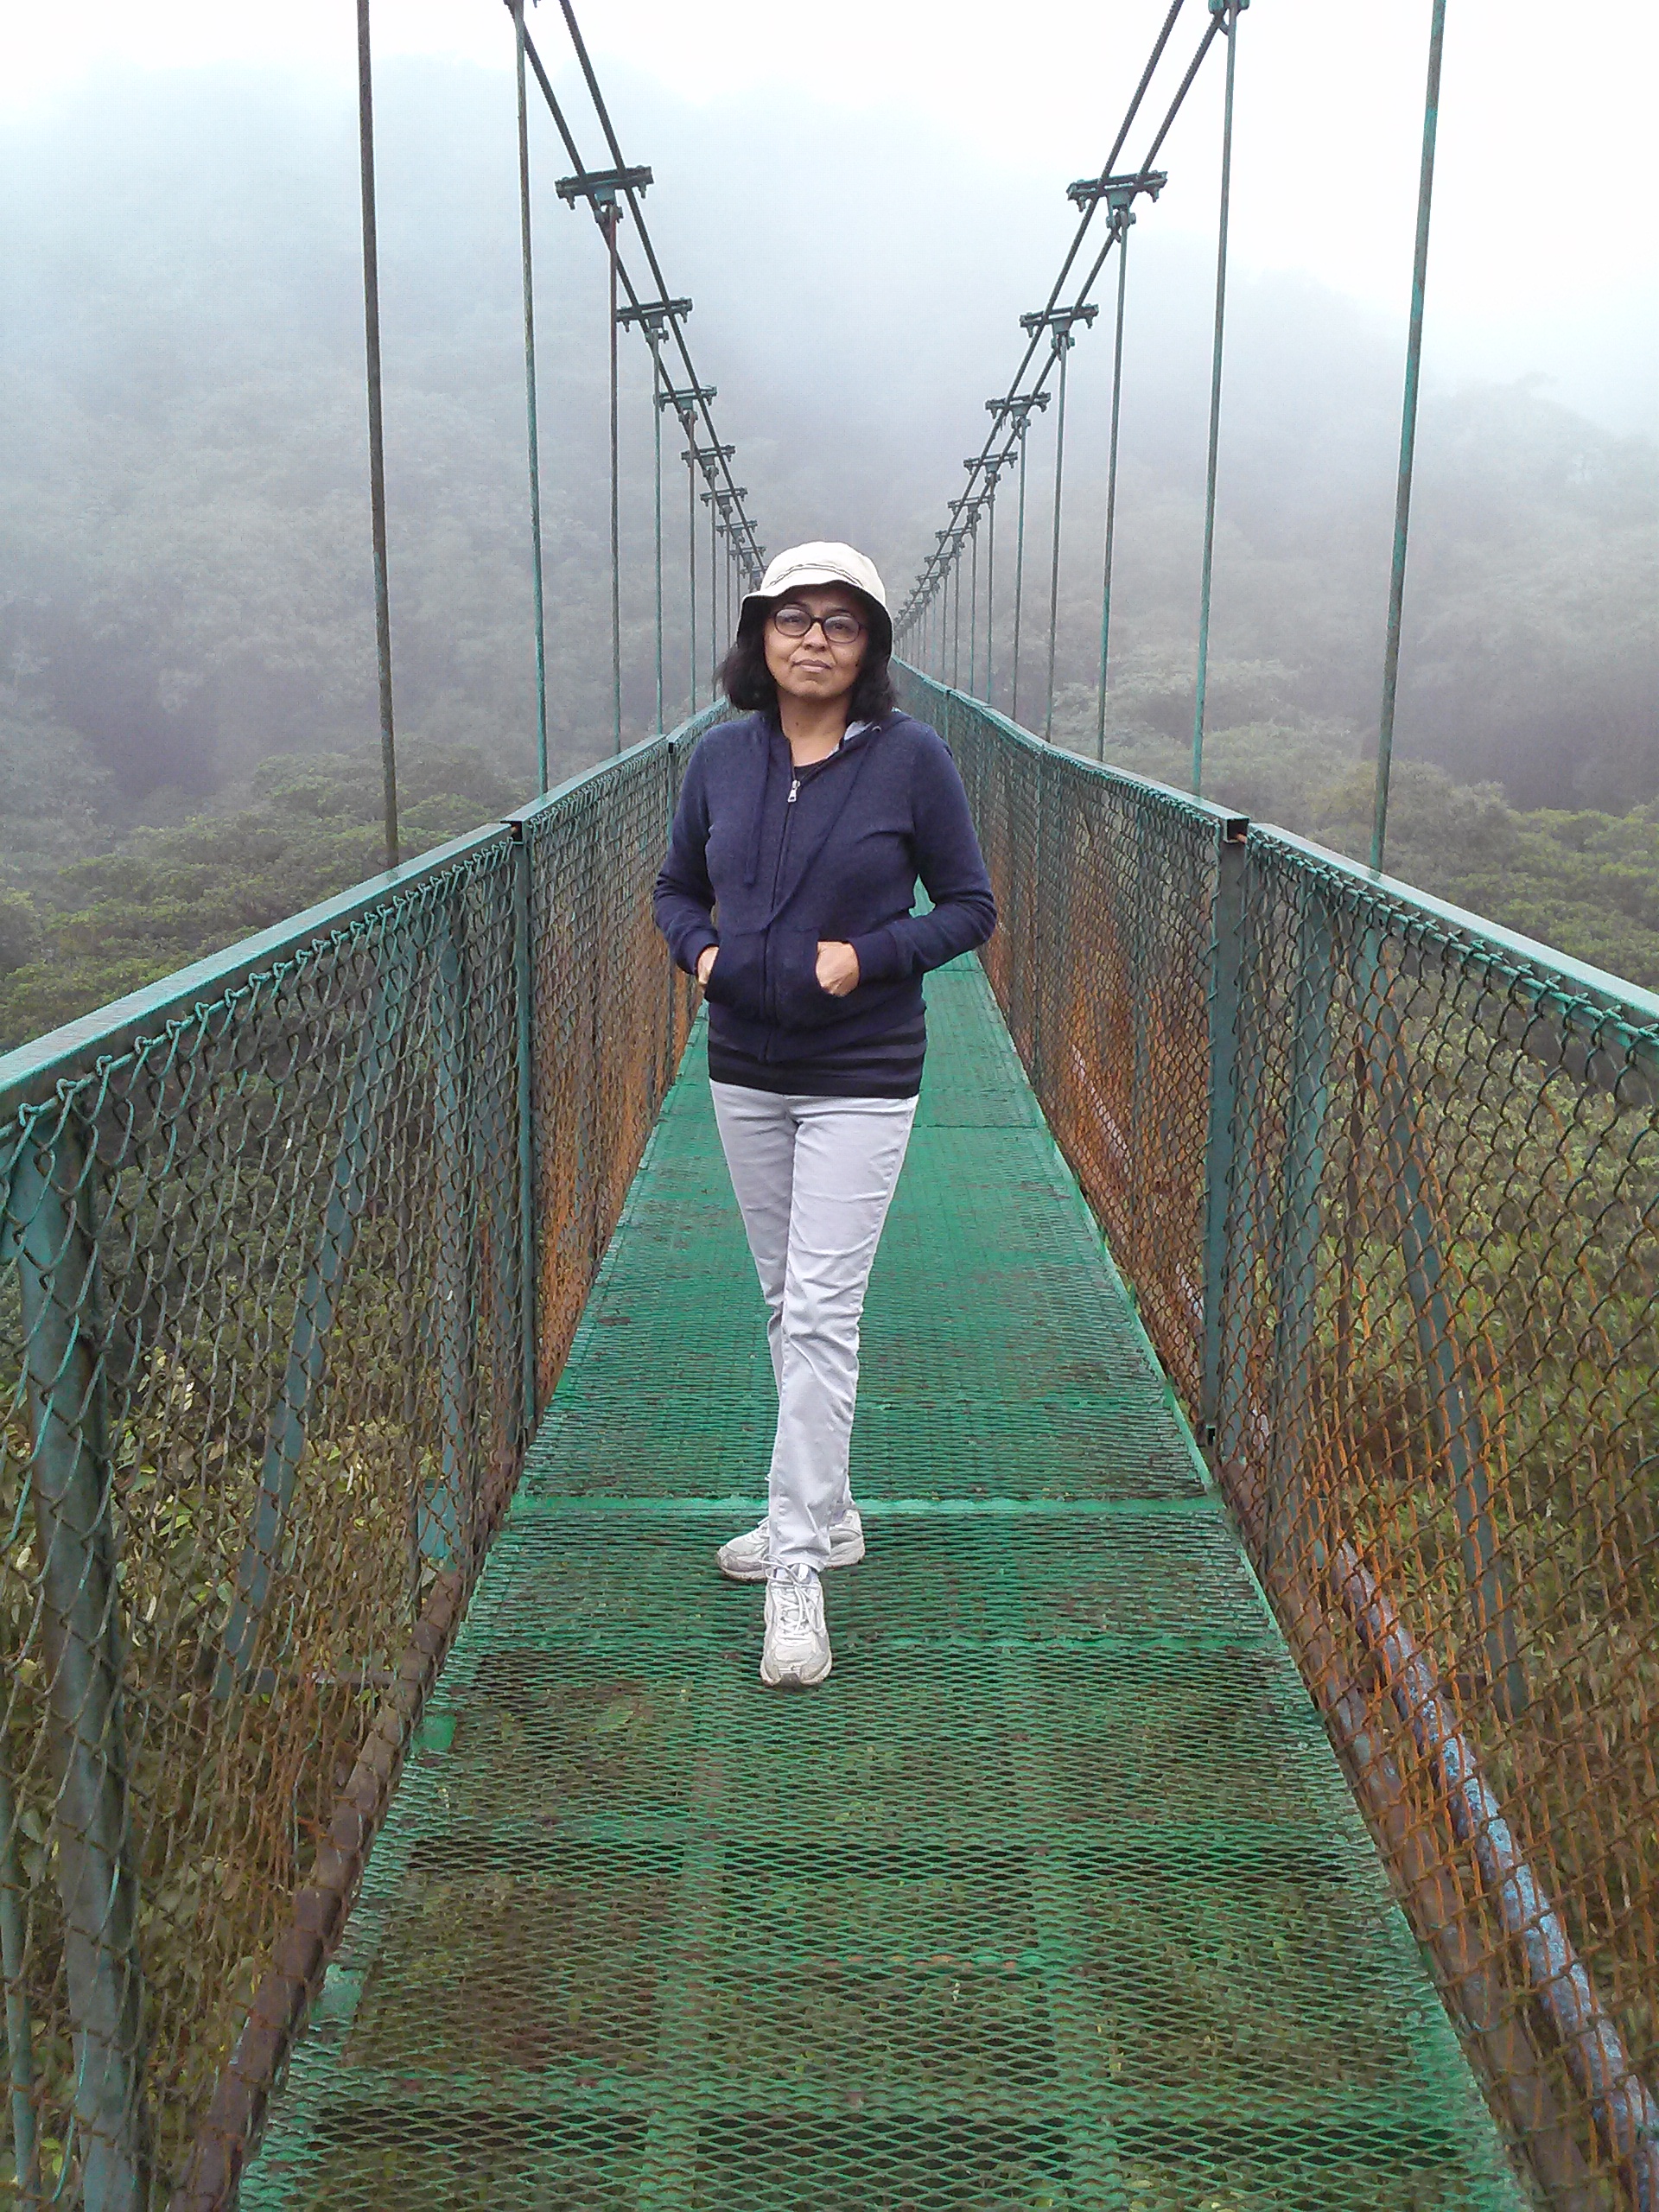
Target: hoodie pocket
[(802, 1001), (737, 979)]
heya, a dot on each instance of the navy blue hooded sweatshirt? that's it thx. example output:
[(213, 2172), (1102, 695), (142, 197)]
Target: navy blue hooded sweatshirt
[(787, 856)]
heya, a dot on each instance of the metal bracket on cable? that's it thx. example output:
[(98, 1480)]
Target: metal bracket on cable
[(708, 458), (685, 403), (1119, 193), (1057, 322), (599, 187), (1018, 412), (653, 315)]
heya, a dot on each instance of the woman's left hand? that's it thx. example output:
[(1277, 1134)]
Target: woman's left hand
[(838, 968)]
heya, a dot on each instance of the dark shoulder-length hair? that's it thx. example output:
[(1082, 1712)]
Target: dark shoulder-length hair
[(748, 682)]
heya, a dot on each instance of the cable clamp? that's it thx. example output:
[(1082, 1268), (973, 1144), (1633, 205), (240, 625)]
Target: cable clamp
[(599, 187), (1057, 322), (1018, 412), (1119, 192), (652, 314)]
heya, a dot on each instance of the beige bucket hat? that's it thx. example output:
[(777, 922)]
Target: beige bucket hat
[(823, 560)]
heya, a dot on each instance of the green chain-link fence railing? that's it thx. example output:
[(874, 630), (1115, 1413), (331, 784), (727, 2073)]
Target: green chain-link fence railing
[(1386, 1181), (294, 1245), (291, 1250)]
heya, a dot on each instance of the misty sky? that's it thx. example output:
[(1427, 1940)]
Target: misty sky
[(1543, 259)]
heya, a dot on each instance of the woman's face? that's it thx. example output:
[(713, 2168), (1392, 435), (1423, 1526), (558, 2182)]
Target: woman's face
[(815, 669)]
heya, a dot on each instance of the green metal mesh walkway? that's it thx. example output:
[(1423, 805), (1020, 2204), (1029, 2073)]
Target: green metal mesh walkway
[(1052, 1899)]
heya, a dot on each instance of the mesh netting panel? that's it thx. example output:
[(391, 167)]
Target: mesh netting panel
[(1422, 1334), (266, 1379), (1052, 1895), (1105, 890), (1440, 1329)]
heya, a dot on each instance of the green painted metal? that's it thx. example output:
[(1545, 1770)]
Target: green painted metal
[(1052, 1897), (1226, 14), (1298, 1224), (1124, 218), (525, 1051), (1408, 436), (1227, 961), (290, 1416), (538, 597), (377, 430), (51, 1195), (19, 2013), (1453, 1402)]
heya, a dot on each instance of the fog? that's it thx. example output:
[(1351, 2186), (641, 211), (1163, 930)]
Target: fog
[(185, 581)]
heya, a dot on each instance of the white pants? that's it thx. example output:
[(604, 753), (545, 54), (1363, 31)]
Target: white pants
[(814, 1178)]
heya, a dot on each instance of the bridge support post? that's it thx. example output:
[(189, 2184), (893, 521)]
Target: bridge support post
[(524, 991), (1300, 1228), (1226, 958), (81, 1644), (444, 1517)]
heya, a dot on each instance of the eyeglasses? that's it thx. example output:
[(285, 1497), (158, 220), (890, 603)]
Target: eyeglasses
[(795, 621)]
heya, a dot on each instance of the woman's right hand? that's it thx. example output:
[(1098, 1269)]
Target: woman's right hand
[(706, 960)]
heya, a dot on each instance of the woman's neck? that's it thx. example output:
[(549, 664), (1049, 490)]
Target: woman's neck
[(814, 727)]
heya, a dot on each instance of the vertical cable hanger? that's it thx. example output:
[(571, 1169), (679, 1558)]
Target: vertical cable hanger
[(1038, 360), (1226, 13), (600, 189), (691, 563), (1058, 322), (1407, 438), (1119, 194), (626, 187), (656, 512), (653, 317), (973, 602), (1016, 414), (631, 193), (532, 435), (685, 405), (376, 432), (992, 475)]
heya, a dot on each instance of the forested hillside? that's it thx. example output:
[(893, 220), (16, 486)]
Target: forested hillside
[(188, 713)]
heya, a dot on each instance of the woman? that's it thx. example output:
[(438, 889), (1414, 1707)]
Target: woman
[(787, 892)]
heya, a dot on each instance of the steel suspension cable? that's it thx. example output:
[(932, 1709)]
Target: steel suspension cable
[(973, 608), (692, 564), (1126, 217), (377, 427), (631, 184), (990, 590), (936, 562), (602, 112), (613, 216), (657, 508), (1228, 13), (1407, 438), (536, 587), (1063, 344), (1019, 571)]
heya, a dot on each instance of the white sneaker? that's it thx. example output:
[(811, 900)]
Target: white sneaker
[(798, 1643), (744, 1559)]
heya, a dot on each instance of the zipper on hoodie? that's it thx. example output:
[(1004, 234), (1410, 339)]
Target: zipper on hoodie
[(795, 782)]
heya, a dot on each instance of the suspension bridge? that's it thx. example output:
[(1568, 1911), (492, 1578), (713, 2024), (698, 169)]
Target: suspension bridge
[(1237, 1788)]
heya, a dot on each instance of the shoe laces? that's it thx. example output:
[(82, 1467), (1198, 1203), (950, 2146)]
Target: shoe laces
[(795, 1609)]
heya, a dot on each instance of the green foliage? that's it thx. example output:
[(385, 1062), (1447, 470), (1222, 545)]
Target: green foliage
[(1584, 882), (311, 827)]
